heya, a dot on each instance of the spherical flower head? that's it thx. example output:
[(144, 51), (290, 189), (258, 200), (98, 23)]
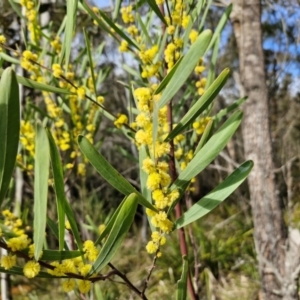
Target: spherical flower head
[(91, 252), (171, 29), (121, 120), (143, 137), (84, 286), (150, 212), (100, 99), (31, 269), (85, 269), (124, 46), (57, 71), (148, 165), (68, 266), (101, 228), (161, 221), (153, 181), (151, 247), (81, 92), (2, 39), (193, 36), (68, 285), (185, 21), (18, 243), (143, 95), (8, 261), (199, 69)]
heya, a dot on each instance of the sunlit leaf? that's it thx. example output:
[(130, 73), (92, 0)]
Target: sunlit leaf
[(41, 176), (216, 196), (185, 68), (117, 234)]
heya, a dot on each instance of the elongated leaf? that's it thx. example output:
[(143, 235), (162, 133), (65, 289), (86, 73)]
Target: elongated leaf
[(111, 24), (222, 113), (108, 172), (117, 234), (200, 105), (212, 66), (182, 283), (41, 175), (215, 197), (220, 27), (209, 151), (54, 229), (19, 271), (144, 29), (69, 29), (52, 255), (116, 10), (110, 223), (8, 58), (9, 128), (167, 79), (143, 179), (155, 8), (88, 48), (63, 206), (186, 67), (39, 86)]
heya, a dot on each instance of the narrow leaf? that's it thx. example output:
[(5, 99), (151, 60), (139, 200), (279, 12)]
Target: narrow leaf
[(155, 8), (204, 101), (182, 283), (108, 172), (9, 128), (41, 175), (169, 76), (110, 223), (63, 206), (209, 151), (220, 27), (70, 25), (186, 67), (117, 234), (215, 197)]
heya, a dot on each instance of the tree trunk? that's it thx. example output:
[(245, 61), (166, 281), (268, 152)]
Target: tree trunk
[(274, 248)]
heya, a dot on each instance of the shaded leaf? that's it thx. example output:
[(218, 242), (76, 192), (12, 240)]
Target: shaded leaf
[(9, 128), (108, 172), (181, 291), (120, 228)]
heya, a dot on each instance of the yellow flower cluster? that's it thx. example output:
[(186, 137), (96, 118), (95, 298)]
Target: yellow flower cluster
[(193, 36), (28, 61), (56, 44), (27, 136), (147, 57), (121, 120), (157, 170), (201, 124), (127, 15), (2, 41), (32, 20), (18, 243)]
